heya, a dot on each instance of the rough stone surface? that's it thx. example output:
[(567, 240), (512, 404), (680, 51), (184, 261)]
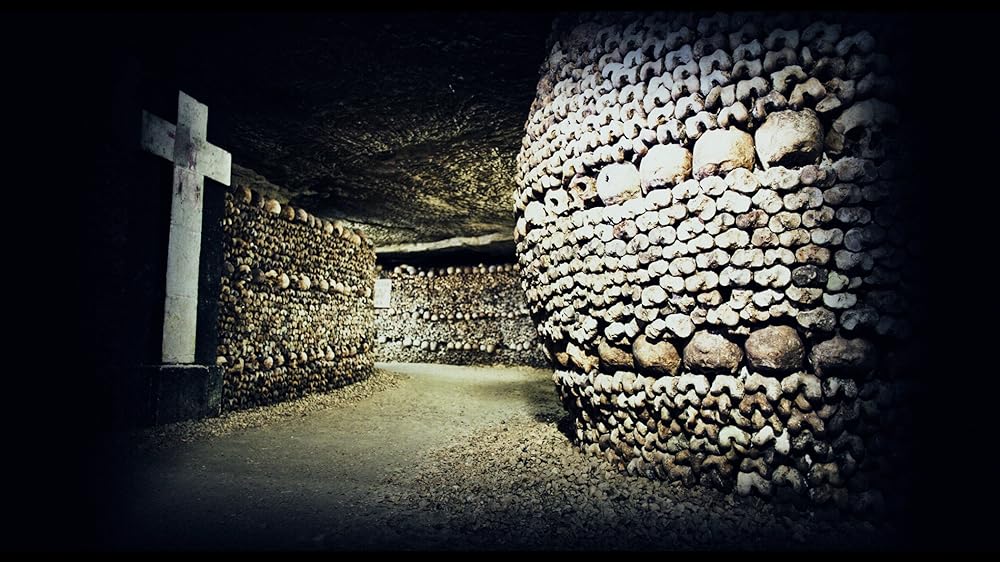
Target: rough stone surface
[(712, 353), (362, 138), (775, 349)]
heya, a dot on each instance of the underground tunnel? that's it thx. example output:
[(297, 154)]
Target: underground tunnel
[(481, 281)]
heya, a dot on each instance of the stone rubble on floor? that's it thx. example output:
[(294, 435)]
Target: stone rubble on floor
[(522, 484)]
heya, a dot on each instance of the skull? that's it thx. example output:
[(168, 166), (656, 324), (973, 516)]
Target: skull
[(583, 192), (861, 130)]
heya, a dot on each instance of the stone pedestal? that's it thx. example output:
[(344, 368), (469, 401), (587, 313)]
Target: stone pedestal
[(160, 394)]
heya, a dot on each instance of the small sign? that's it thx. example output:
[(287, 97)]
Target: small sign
[(383, 292)]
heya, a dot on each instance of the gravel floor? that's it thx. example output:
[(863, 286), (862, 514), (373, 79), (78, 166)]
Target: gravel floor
[(229, 422), (428, 457), (522, 485)]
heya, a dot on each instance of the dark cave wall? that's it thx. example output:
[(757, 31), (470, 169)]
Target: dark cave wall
[(459, 315), (716, 229), (123, 240), (295, 314)]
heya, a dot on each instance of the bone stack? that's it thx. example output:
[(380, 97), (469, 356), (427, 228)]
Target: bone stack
[(713, 234), (460, 315), (296, 312)]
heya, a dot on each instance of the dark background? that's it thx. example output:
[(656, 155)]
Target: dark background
[(68, 77)]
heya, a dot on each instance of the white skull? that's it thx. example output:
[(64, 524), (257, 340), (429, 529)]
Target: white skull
[(582, 192)]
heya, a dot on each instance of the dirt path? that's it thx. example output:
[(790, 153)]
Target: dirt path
[(320, 480), (442, 457)]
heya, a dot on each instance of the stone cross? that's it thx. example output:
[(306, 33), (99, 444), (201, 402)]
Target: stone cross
[(383, 293), (194, 159)]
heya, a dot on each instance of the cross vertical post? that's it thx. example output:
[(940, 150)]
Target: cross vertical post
[(194, 158)]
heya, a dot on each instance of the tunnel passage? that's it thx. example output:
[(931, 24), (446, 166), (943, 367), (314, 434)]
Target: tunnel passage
[(714, 239), (456, 314)]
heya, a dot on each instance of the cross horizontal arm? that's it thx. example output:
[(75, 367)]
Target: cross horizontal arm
[(215, 163), (158, 136)]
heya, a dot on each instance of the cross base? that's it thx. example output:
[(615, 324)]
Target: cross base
[(160, 394)]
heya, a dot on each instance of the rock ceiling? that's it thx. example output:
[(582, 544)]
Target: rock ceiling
[(405, 124)]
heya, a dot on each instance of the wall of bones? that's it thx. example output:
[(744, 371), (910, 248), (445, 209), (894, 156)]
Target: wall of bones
[(296, 312), (459, 315), (714, 239)]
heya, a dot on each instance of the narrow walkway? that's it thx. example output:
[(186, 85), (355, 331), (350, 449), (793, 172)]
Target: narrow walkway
[(315, 481), (450, 457)]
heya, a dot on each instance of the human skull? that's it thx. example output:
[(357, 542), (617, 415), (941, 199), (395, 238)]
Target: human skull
[(861, 130)]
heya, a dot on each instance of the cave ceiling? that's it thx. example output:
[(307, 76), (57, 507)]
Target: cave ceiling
[(406, 125)]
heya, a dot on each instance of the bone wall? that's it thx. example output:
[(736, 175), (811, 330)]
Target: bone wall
[(460, 315), (714, 235), (296, 313)]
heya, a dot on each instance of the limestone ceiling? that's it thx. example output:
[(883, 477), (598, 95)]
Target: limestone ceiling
[(406, 124)]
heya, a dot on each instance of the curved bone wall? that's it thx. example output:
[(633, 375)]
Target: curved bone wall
[(713, 237), (296, 313), (460, 315)]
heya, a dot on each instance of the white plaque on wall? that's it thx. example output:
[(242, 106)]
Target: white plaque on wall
[(383, 291)]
